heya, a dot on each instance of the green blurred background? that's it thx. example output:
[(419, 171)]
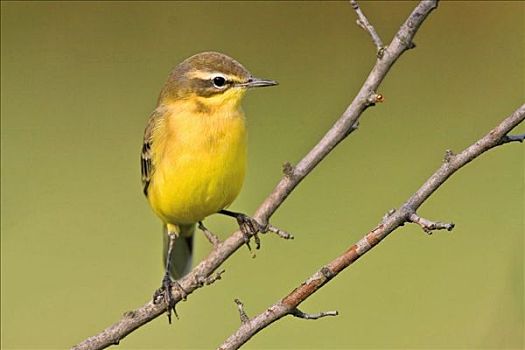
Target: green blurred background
[(80, 245)]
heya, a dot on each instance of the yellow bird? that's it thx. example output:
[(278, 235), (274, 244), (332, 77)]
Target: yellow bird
[(193, 158)]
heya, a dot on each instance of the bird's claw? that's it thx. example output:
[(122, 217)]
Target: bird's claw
[(250, 227), (164, 294)]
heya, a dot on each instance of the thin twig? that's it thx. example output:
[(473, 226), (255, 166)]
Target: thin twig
[(363, 22), (210, 236), (428, 226), (298, 313), (279, 232), (289, 304), (242, 314), (210, 279), (343, 127)]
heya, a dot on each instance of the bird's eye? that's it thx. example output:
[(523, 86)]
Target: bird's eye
[(219, 82)]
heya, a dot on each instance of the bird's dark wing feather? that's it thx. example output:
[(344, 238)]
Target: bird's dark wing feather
[(146, 157)]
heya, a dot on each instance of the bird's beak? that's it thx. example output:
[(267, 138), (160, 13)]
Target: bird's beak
[(258, 82)]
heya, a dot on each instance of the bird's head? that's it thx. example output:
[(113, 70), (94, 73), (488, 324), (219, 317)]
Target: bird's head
[(211, 79)]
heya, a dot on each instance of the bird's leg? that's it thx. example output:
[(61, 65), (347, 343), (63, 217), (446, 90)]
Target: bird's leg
[(248, 226), (167, 283)]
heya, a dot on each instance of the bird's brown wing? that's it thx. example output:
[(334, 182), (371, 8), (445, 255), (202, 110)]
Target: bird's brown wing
[(146, 157)]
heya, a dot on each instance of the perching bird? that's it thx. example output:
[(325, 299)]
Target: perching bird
[(194, 153)]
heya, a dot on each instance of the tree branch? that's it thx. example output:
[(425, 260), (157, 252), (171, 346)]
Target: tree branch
[(344, 126), (407, 213)]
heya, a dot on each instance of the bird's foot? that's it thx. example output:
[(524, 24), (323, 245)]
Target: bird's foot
[(250, 228), (163, 294)]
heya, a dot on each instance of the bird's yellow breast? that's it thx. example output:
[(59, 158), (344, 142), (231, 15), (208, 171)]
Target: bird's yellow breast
[(199, 155)]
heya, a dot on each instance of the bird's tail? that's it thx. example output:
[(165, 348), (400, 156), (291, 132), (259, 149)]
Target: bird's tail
[(181, 256)]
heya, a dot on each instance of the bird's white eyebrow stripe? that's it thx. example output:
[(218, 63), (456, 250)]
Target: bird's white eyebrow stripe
[(197, 74)]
